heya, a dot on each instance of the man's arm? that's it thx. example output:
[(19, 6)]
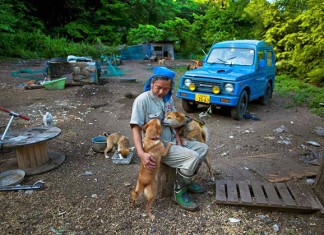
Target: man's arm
[(146, 158)]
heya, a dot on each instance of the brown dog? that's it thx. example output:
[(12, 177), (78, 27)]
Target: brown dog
[(119, 142), (189, 129), (146, 178), (161, 62), (194, 64)]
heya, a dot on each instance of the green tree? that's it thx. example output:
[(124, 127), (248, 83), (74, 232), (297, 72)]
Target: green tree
[(256, 11), (144, 34), (220, 24), (298, 39), (176, 30), (151, 12)]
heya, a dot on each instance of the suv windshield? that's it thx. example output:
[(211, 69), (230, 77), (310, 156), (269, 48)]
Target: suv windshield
[(237, 56)]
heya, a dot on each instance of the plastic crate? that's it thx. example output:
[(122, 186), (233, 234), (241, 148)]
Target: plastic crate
[(57, 84)]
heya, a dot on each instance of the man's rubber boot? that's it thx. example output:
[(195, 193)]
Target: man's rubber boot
[(195, 188), (182, 199)]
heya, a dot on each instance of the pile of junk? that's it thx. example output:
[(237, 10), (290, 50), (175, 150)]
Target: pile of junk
[(59, 72)]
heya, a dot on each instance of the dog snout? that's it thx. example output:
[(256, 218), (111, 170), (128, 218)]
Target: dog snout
[(165, 122)]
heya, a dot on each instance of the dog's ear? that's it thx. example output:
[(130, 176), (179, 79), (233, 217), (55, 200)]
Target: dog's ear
[(145, 126), (124, 152)]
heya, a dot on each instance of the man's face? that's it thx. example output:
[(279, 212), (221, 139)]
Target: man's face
[(161, 87)]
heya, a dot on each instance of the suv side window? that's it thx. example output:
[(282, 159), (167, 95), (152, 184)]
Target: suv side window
[(261, 57), (269, 58)]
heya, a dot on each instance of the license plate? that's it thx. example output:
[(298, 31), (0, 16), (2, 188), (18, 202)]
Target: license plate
[(202, 98)]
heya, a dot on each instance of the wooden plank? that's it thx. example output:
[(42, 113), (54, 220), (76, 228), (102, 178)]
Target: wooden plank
[(320, 206), (271, 194), (220, 191), (20, 157), (44, 152), (38, 154), (232, 195), (245, 193), (300, 198), (286, 197), (314, 203), (258, 193), (31, 155)]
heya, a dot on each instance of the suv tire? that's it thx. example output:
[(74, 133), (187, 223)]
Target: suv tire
[(238, 111), (264, 100)]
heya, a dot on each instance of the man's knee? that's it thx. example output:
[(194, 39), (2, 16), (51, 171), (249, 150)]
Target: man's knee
[(203, 150)]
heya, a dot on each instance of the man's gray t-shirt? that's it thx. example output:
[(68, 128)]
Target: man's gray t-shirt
[(146, 106)]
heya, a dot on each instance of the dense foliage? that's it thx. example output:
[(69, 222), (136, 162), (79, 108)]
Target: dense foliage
[(51, 28)]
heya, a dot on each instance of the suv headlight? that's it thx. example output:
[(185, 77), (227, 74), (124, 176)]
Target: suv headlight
[(229, 87), (187, 82)]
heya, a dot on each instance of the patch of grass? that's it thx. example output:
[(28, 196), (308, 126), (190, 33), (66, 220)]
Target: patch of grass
[(301, 93), (180, 70)]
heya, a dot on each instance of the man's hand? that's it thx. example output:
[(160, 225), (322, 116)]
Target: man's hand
[(148, 161)]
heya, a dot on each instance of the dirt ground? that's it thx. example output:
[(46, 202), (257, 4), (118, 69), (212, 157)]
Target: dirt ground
[(88, 194)]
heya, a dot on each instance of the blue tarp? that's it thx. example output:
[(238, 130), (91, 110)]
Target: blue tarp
[(138, 52)]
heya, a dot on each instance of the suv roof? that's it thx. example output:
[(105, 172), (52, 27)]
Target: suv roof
[(256, 43)]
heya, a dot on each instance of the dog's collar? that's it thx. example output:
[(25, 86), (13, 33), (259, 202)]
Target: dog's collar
[(189, 119)]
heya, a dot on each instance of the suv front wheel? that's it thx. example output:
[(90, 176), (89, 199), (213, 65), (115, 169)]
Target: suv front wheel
[(238, 111)]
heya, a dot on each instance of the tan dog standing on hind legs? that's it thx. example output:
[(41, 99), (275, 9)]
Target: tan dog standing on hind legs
[(119, 142), (146, 178), (191, 130)]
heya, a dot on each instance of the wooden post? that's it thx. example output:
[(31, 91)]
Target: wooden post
[(319, 182), (165, 180)]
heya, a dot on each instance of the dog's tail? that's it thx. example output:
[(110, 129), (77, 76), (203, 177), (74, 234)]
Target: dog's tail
[(106, 134), (205, 133)]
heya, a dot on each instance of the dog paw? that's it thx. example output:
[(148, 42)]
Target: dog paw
[(106, 156)]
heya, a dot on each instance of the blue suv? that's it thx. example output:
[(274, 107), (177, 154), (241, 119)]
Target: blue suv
[(233, 74)]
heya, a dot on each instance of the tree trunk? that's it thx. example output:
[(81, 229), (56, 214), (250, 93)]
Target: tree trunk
[(165, 179)]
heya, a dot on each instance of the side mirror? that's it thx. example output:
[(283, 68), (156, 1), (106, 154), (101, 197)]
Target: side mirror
[(262, 64)]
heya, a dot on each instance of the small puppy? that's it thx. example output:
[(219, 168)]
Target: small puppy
[(189, 129), (146, 178), (119, 142), (161, 61)]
